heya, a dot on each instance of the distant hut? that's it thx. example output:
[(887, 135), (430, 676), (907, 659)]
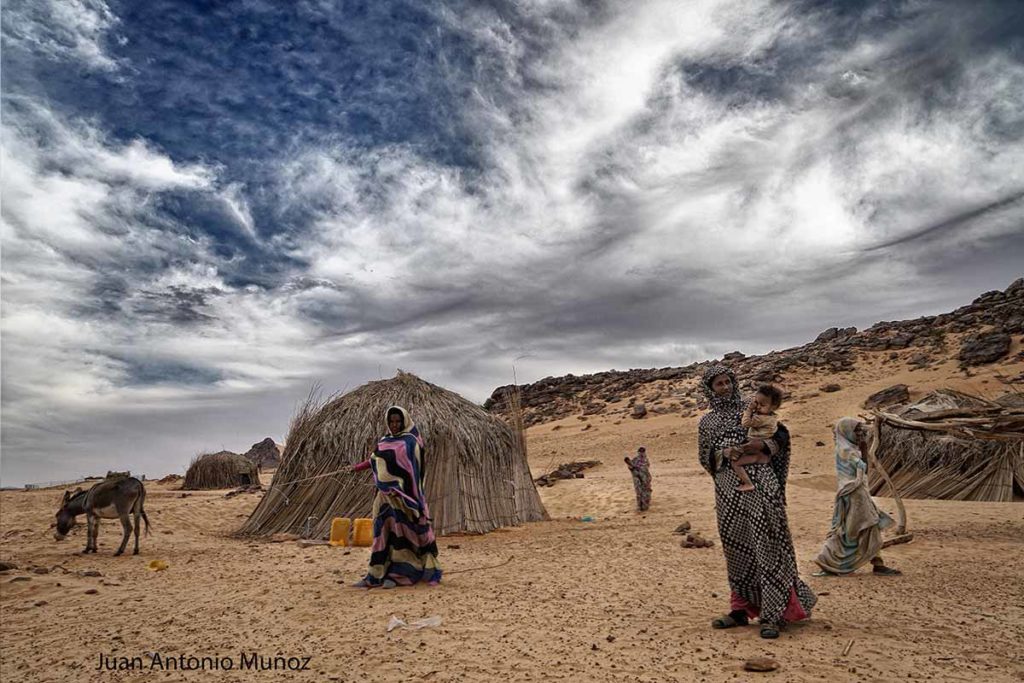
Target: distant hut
[(476, 475), (953, 446), (223, 470)]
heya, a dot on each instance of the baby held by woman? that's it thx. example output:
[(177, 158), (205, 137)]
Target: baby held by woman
[(761, 422)]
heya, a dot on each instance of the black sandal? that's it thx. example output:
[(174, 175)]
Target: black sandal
[(886, 571), (769, 631), (730, 620)]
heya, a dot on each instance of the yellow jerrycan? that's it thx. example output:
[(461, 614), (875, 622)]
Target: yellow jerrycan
[(339, 531), (362, 532)]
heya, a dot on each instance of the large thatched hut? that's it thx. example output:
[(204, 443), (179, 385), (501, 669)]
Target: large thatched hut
[(953, 446), (222, 470), (476, 475)]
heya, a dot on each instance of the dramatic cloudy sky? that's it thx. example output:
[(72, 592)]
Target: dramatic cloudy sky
[(209, 206)]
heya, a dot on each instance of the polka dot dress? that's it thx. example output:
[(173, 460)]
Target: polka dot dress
[(752, 525)]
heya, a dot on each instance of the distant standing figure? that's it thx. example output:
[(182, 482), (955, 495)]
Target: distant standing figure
[(857, 523), (760, 422), (404, 548), (640, 468)]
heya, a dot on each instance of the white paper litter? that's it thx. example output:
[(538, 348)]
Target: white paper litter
[(426, 622)]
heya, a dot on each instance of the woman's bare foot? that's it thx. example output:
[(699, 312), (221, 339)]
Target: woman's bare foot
[(745, 487)]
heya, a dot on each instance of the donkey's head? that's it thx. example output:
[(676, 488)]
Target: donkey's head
[(66, 515)]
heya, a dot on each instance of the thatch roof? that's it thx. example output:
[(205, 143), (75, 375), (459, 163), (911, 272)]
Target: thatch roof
[(953, 446), (476, 475), (222, 470)]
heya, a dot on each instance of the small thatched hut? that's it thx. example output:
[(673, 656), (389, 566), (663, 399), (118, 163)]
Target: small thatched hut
[(223, 470), (476, 475), (953, 446)]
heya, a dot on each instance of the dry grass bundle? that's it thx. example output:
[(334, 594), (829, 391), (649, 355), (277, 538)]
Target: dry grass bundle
[(223, 470), (476, 475), (953, 446)]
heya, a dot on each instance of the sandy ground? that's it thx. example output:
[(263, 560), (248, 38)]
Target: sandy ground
[(616, 599)]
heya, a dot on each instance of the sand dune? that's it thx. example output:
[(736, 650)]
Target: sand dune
[(616, 599)]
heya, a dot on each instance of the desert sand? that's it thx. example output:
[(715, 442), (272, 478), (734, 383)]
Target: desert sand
[(615, 599)]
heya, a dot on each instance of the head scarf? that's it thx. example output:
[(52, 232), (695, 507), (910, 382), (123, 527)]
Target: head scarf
[(407, 423), (720, 426), (397, 462), (849, 463)]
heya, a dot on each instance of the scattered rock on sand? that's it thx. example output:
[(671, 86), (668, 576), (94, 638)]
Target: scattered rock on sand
[(571, 470), (40, 603), (830, 388), (91, 591), (761, 664), (682, 528), (40, 570), (897, 393), (819, 444), (639, 411), (696, 541), (5, 566), (91, 572)]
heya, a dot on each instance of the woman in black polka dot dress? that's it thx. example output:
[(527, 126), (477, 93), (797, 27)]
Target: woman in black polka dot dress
[(752, 525)]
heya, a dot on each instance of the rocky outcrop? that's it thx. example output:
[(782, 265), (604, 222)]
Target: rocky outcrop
[(266, 453)]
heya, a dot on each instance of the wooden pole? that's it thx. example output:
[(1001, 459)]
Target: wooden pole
[(896, 540), (871, 456)]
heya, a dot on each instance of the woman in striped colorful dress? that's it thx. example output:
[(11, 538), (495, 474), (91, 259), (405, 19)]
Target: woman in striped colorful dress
[(404, 549)]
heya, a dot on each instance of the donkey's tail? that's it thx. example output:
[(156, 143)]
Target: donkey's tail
[(142, 510)]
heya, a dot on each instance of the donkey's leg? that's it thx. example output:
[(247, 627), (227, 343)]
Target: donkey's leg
[(95, 533), (127, 526), (88, 533), (91, 522), (138, 523)]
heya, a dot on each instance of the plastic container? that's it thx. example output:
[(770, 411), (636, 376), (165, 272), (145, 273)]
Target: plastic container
[(362, 532), (340, 527)]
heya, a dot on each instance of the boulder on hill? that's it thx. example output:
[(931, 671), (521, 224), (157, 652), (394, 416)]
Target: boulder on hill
[(986, 347), (897, 393)]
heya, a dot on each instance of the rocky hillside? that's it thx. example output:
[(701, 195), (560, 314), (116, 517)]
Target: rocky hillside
[(976, 334)]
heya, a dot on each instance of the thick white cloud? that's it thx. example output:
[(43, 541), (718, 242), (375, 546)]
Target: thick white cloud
[(68, 30)]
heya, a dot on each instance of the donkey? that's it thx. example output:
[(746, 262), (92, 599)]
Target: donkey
[(109, 499)]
